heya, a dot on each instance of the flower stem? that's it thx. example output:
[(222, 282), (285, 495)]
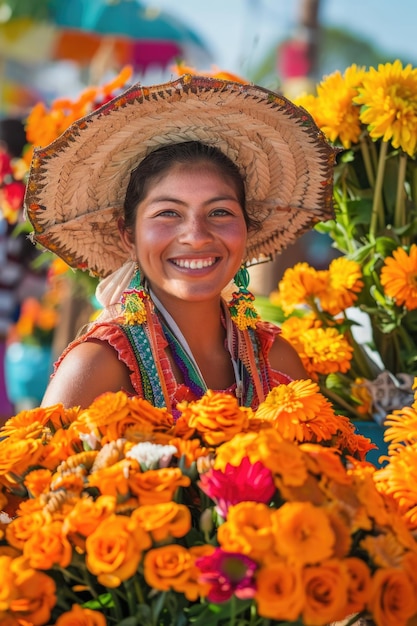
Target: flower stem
[(377, 216), (367, 161), (334, 397), (399, 215)]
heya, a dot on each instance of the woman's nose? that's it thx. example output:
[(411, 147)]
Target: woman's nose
[(196, 232)]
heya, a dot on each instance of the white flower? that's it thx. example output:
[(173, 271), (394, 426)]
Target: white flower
[(90, 439), (152, 455)]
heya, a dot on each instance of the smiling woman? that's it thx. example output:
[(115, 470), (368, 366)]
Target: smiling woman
[(168, 193)]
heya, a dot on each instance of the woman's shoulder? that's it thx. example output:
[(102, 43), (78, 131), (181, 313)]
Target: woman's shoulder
[(281, 355)]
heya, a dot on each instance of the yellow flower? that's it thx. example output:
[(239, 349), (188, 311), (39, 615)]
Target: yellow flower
[(344, 283), (324, 351), (399, 276), (303, 533), (333, 109), (389, 98)]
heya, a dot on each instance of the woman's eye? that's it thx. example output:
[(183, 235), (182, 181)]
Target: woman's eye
[(167, 213), (220, 212)]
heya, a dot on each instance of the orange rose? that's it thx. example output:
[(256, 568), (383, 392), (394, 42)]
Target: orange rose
[(392, 601), (18, 455), (36, 594), (47, 547), (279, 592), (23, 527), (326, 593), (248, 529), (217, 417), (156, 486), (168, 567), (193, 589), (87, 514), (78, 616), (303, 533), (359, 584), (164, 520), (112, 481), (8, 589), (114, 550)]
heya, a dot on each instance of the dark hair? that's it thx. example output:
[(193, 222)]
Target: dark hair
[(163, 159), (13, 135)]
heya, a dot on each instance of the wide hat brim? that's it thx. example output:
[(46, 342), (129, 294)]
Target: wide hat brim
[(77, 184)]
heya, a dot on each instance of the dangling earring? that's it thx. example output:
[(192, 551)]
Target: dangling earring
[(241, 308), (133, 300)]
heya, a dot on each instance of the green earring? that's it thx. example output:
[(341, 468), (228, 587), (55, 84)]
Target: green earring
[(133, 300), (242, 310)]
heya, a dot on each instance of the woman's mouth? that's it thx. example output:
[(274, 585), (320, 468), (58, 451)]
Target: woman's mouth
[(195, 264)]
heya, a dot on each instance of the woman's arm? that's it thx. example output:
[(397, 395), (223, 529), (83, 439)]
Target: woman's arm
[(87, 370), (284, 358)]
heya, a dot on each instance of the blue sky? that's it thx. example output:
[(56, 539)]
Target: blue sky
[(238, 31)]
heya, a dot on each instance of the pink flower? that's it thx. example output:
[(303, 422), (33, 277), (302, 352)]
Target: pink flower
[(228, 573), (5, 166), (246, 483), (12, 195)]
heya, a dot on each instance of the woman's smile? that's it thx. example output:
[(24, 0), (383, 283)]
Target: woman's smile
[(190, 233)]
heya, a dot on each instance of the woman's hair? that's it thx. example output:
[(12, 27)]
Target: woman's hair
[(163, 159)]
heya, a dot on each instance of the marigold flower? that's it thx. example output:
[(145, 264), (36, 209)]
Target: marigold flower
[(344, 282), (282, 458), (79, 616), (248, 530), (279, 591), (399, 277), (302, 533), (164, 520), (392, 601), (388, 96), (326, 587), (115, 549), (38, 481), (113, 480), (228, 574), (87, 514), (299, 412), (324, 351), (299, 285), (247, 482), (217, 416), (106, 409)]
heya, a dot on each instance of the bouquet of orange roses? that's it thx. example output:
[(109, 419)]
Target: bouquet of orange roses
[(121, 514)]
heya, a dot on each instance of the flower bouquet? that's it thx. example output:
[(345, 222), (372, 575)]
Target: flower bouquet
[(357, 320), (123, 514)]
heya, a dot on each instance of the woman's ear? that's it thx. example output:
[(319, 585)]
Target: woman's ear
[(125, 236)]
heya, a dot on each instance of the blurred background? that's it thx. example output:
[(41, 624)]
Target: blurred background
[(52, 49)]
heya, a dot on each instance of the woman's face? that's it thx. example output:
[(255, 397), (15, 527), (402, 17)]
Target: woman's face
[(190, 233)]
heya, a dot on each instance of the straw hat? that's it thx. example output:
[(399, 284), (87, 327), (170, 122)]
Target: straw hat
[(77, 184)]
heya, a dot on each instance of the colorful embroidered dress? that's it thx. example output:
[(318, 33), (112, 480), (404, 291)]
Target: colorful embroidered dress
[(143, 350)]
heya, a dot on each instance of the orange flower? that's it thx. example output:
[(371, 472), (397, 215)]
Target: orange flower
[(358, 585), (36, 595), (279, 591), (217, 417), (8, 589), (190, 450), (392, 602), (193, 589), (47, 547), (78, 616), (344, 284), (106, 409), (156, 486), (18, 455), (38, 481), (168, 567), (87, 514), (114, 550), (326, 588), (140, 422), (299, 412), (113, 480), (24, 526), (283, 458), (236, 449), (163, 521), (248, 529), (325, 351), (300, 285), (303, 533), (384, 550), (399, 277)]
